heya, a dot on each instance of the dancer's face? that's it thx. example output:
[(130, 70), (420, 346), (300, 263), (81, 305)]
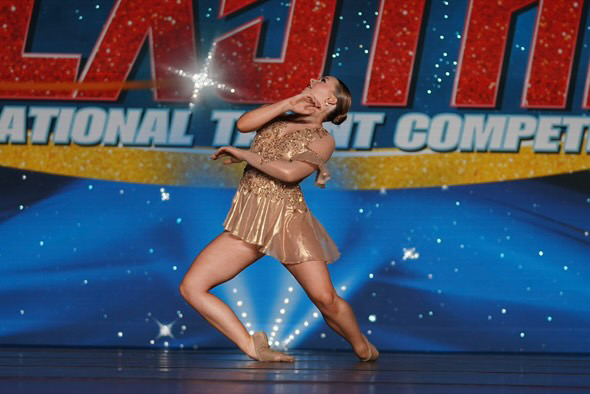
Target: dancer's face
[(323, 90)]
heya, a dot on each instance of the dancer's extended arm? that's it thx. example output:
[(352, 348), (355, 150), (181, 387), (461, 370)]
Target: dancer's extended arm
[(318, 152)]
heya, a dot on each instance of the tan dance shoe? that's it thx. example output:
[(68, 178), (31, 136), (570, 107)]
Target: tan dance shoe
[(373, 352), (264, 352)]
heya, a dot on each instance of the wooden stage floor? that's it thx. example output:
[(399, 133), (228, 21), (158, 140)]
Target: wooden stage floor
[(107, 370)]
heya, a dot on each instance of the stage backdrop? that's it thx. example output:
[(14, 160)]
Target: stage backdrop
[(460, 195)]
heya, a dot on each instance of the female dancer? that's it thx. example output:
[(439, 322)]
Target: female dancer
[(269, 216)]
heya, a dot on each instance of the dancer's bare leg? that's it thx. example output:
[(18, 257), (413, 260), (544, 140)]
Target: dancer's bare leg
[(221, 260), (314, 277)]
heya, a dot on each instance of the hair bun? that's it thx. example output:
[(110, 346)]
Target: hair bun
[(339, 119)]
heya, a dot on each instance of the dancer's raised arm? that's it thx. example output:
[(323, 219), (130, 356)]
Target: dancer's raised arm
[(302, 103)]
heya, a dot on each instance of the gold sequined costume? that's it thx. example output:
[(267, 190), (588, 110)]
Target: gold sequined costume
[(273, 214)]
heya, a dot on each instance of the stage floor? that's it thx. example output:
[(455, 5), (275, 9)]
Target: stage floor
[(107, 370)]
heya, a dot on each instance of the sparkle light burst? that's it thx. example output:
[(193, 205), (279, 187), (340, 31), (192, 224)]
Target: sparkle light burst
[(165, 329), (202, 79), (410, 254)]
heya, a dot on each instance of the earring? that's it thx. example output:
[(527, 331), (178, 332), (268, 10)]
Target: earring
[(327, 102)]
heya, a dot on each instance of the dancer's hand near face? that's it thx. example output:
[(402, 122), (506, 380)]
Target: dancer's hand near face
[(304, 103)]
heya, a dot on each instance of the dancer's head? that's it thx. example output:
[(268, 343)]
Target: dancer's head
[(334, 97)]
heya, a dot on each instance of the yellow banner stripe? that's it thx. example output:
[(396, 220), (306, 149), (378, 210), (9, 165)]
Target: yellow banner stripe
[(350, 172)]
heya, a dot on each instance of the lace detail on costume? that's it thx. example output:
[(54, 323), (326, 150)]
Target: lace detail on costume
[(255, 181), (310, 156), (272, 146)]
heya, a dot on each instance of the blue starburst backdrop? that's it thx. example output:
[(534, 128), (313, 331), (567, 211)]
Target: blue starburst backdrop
[(487, 267)]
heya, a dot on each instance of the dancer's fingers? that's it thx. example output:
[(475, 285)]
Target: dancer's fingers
[(317, 102)]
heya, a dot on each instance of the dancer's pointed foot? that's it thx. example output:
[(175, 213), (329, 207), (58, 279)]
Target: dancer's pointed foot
[(373, 352), (264, 352)]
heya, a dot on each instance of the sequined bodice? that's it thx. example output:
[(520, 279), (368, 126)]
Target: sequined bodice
[(271, 145)]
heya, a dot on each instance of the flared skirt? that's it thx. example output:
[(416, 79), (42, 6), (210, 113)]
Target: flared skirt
[(290, 235)]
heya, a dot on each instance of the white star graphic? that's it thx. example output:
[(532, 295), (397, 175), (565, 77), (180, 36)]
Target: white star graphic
[(202, 79), (165, 329), (410, 254)]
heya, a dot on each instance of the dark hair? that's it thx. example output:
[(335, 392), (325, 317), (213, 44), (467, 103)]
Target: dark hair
[(342, 93)]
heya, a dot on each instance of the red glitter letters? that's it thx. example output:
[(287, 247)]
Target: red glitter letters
[(305, 44), (230, 6), (482, 51), (389, 74), (170, 27), (548, 74), (20, 68)]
